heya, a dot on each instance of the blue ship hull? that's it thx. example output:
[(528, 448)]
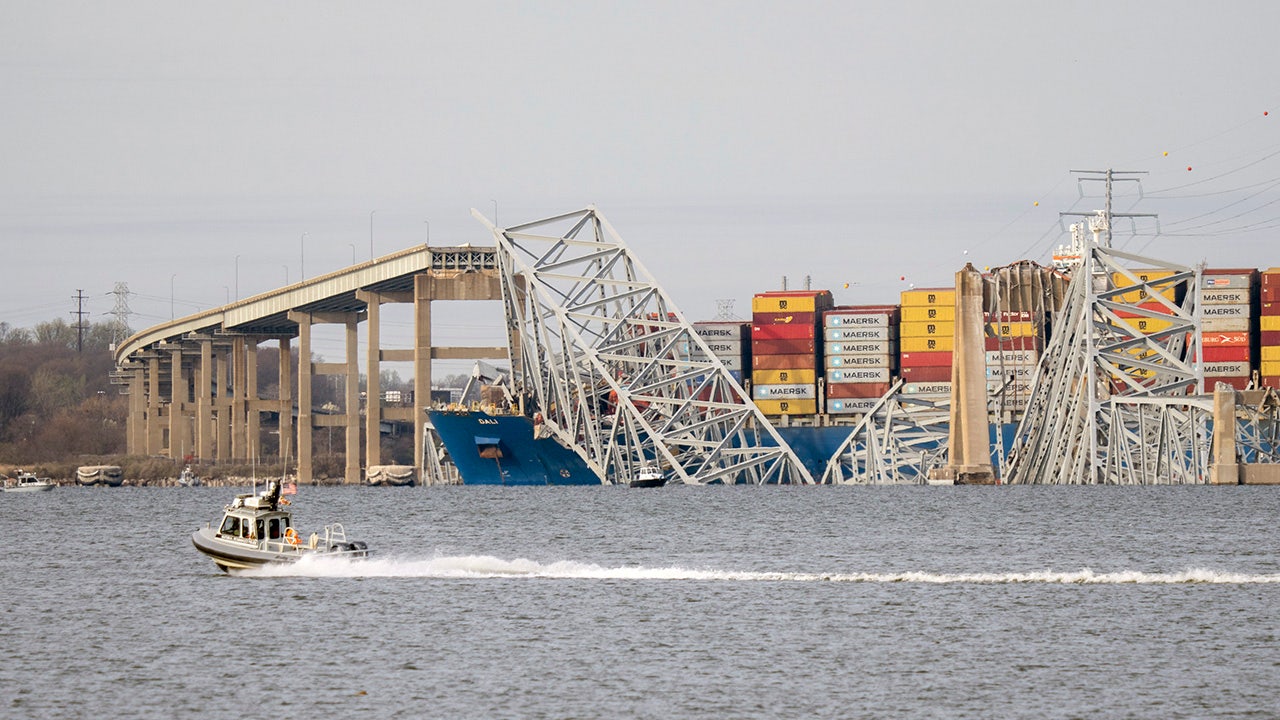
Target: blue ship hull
[(501, 450)]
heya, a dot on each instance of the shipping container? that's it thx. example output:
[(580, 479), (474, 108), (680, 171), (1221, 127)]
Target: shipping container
[(1014, 372), (1234, 278), (940, 328), (884, 360), (1225, 312), (774, 408), (925, 374), (1022, 343), (1012, 357), (784, 362), (783, 332), (1224, 339), (783, 347), (843, 334), (926, 388), (1269, 368), (1269, 337), (858, 375), (852, 406), (1269, 323), (784, 377), (928, 296), (1147, 326), (792, 301), (848, 318), (1271, 381), (1225, 369), (1009, 316), (870, 347), (785, 318), (1233, 354), (1012, 329), (723, 331), (929, 313), (1214, 296), (1218, 325), (797, 391), (927, 344), (1239, 382), (925, 359), (1268, 352), (1136, 296), (857, 390)]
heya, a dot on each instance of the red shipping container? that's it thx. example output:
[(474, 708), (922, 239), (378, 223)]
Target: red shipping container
[(1153, 306), (784, 318), (1271, 381), (1014, 343), (784, 332), (846, 390), (1239, 383), (925, 359), (1270, 293), (1270, 308), (1269, 338), (782, 347), (784, 362), (926, 374), (1226, 354), (1225, 339), (868, 309)]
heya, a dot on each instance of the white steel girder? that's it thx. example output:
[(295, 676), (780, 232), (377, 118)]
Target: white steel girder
[(614, 369), (898, 442)]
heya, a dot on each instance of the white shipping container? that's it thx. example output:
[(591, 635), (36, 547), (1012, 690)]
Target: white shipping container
[(1012, 357), (784, 392), (1219, 282), (1225, 311), (851, 405), (1016, 387), (722, 331), (838, 319), (1017, 372), (1226, 369), (926, 388), (843, 361), (1238, 324), (861, 348), (1214, 296), (859, 375), (843, 334)]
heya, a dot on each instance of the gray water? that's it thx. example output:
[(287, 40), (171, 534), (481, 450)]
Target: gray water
[(718, 602)]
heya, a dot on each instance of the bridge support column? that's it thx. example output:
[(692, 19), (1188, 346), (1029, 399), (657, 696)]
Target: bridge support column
[(136, 437), (305, 470), (352, 421), (204, 405), (422, 296), (1226, 468), (179, 444), (222, 407), (253, 436), (969, 451), (239, 400), (155, 426), (285, 409), (373, 381)]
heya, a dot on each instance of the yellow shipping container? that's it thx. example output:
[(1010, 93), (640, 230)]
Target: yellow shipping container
[(787, 407), (929, 296), (799, 302), (798, 376), (1011, 329), (1138, 296), (1146, 326), (1269, 322), (929, 313), (945, 343), (1270, 352), (1270, 368), (938, 328)]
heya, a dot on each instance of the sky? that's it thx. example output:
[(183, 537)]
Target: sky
[(204, 151)]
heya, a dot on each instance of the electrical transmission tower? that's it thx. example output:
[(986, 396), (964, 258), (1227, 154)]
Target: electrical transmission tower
[(121, 312)]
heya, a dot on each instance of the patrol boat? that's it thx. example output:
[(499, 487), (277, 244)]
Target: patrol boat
[(256, 530), (28, 482)]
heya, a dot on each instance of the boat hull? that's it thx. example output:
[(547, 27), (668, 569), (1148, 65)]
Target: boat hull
[(233, 555), (31, 488), (501, 450)]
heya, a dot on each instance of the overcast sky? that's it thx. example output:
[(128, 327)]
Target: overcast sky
[(729, 143)]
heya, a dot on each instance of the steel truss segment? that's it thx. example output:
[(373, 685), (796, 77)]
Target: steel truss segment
[(616, 370), (898, 441), (1111, 404)]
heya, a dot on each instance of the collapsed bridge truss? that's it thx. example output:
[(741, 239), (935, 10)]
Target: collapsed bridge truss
[(615, 371)]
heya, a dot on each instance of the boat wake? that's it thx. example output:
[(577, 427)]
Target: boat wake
[(485, 566)]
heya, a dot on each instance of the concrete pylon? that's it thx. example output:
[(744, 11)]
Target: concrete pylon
[(969, 449), (1225, 469)]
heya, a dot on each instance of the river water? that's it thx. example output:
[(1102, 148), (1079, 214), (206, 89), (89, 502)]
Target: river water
[(680, 602)]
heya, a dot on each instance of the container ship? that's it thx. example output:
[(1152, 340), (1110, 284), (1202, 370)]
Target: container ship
[(814, 368)]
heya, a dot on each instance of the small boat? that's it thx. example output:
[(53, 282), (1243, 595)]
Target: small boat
[(188, 478), (650, 476), (27, 482), (257, 530)]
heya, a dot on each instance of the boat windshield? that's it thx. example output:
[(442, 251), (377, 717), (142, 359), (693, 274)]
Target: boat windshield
[(230, 526)]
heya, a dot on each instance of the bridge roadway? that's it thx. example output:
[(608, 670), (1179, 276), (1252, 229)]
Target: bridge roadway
[(192, 382)]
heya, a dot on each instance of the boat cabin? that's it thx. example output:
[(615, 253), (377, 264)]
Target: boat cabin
[(253, 518)]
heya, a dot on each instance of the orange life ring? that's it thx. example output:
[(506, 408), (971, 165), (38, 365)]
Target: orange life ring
[(291, 536)]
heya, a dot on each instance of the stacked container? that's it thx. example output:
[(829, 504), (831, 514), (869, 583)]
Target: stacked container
[(926, 338), (860, 351), (1142, 323), (1269, 329), (730, 342), (1013, 343), (785, 332), (1228, 298)]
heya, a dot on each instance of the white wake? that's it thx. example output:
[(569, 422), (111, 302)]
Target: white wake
[(485, 566)]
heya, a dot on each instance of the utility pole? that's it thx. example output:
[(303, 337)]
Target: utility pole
[(1109, 177), (79, 312)]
